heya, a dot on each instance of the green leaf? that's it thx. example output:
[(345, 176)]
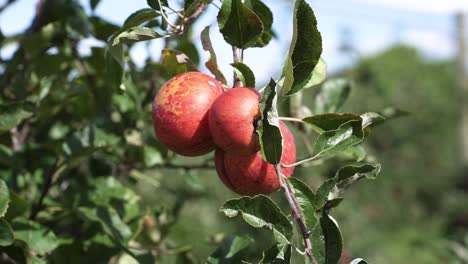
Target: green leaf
[(155, 4), (305, 199), (37, 237), (245, 74), (230, 250), (107, 190), (139, 17), (17, 206), (152, 156), (115, 66), (18, 251), (270, 138), (110, 221), (136, 34), (211, 62), (266, 16), (260, 212), (330, 121), (6, 234), (334, 141), (371, 119), (176, 62), (304, 51), (102, 29), (12, 114), (332, 96), (240, 26), (277, 254), (319, 74), (327, 241), (333, 188), (4, 198), (93, 4), (348, 175)]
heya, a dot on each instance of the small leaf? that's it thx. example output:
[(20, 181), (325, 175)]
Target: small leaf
[(155, 4), (260, 212), (37, 237), (270, 138), (115, 66), (6, 234), (370, 119), (277, 254), (330, 121), (319, 74), (266, 16), (176, 62), (245, 74), (240, 26), (17, 206), (230, 250), (334, 141), (4, 198), (139, 17), (332, 95), (333, 188), (152, 156), (93, 4), (136, 19), (327, 240), (136, 34), (305, 200), (304, 51), (12, 114), (211, 63)]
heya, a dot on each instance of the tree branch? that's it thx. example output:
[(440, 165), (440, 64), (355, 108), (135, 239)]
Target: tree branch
[(53, 175), (238, 54), (305, 232)]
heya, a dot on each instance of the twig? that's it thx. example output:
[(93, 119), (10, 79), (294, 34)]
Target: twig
[(299, 162), (292, 119), (305, 232), (53, 175), (237, 54)]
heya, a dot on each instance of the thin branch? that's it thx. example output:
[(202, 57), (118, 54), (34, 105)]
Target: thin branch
[(53, 175), (238, 54), (292, 119), (305, 232), (299, 162)]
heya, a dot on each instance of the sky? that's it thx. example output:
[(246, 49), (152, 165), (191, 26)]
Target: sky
[(370, 26)]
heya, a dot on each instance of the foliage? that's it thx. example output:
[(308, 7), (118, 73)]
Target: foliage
[(84, 180)]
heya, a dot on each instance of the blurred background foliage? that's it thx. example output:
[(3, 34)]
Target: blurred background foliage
[(63, 120)]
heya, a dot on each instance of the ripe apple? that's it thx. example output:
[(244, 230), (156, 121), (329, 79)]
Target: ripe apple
[(180, 113), (250, 174), (232, 121)]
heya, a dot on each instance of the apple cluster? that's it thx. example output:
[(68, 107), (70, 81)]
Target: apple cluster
[(193, 115)]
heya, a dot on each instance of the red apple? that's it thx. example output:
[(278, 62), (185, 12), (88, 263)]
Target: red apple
[(232, 121), (180, 113), (250, 174)]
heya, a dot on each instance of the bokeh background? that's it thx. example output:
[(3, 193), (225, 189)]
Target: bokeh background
[(411, 55)]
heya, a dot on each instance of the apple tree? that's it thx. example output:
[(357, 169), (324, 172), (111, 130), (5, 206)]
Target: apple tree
[(84, 178)]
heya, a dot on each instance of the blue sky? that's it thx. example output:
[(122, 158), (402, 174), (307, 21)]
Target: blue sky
[(370, 25)]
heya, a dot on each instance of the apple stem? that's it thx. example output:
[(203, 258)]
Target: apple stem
[(238, 55), (292, 201)]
